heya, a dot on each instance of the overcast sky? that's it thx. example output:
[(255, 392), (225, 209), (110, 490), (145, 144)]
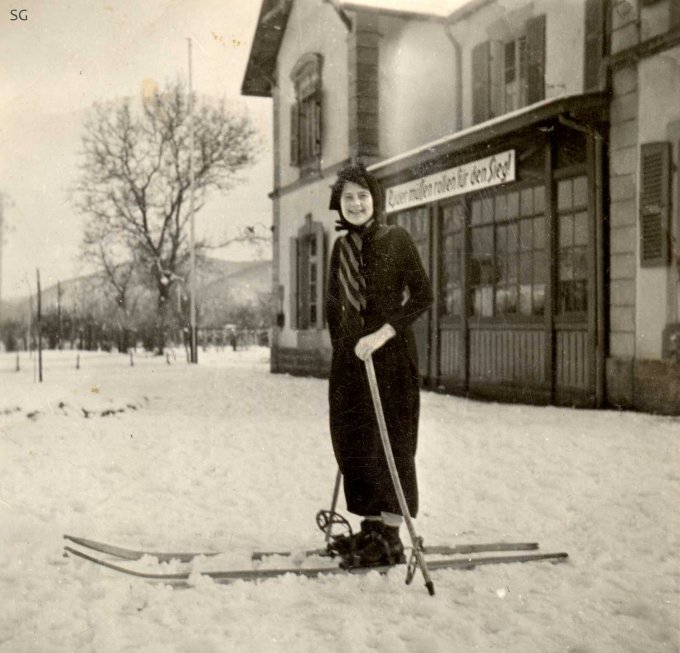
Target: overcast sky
[(71, 53)]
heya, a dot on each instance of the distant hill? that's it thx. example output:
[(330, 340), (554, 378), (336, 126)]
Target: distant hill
[(251, 285), (220, 283)]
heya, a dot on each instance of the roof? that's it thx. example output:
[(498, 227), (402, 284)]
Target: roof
[(534, 114), (271, 25)]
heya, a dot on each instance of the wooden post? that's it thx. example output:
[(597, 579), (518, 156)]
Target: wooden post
[(132, 359)]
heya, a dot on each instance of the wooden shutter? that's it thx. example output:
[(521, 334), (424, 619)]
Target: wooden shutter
[(536, 59), (674, 14), (294, 135), (655, 199), (496, 78), (293, 284), (317, 120), (303, 281), (321, 271), (593, 72), (480, 82)]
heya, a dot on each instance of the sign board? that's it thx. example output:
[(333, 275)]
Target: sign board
[(472, 176)]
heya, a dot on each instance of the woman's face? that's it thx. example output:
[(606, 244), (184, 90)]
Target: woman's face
[(356, 203)]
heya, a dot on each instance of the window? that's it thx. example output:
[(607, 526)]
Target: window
[(307, 268), (508, 75), (415, 221), (452, 259), (508, 265), (572, 246), (305, 115), (515, 78)]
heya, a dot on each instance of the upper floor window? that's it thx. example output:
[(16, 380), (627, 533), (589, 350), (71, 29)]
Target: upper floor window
[(305, 115), (515, 74), (510, 74)]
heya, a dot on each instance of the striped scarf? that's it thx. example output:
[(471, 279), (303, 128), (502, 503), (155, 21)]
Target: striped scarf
[(352, 279)]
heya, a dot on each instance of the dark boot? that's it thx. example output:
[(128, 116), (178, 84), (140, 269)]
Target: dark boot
[(382, 546), (348, 546)]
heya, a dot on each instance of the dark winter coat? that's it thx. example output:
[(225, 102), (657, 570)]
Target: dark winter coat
[(397, 292)]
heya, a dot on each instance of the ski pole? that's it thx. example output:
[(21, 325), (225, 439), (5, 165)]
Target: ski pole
[(384, 436), (334, 503)]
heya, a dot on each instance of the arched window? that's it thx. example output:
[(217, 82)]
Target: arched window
[(305, 115)]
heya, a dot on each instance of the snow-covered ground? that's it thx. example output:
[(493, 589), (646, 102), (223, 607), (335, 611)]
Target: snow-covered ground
[(225, 456)]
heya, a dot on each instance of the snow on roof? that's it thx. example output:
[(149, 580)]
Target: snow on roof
[(433, 7)]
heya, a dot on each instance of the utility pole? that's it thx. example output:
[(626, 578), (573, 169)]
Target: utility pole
[(1, 239), (192, 287), (40, 369)]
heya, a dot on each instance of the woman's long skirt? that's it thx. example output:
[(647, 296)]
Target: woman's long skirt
[(354, 427)]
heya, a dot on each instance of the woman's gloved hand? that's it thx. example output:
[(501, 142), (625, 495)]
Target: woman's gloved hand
[(374, 341)]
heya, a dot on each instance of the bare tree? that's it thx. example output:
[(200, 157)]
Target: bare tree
[(134, 183)]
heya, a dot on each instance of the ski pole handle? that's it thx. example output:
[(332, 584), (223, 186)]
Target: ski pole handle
[(394, 473)]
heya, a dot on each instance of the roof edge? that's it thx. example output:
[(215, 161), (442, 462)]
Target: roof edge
[(271, 25), (395, 13)]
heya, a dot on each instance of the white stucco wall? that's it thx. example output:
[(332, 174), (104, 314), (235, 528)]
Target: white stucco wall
[(658, 289), (315, 27), (309, 199), (417, 84), (565, 39)]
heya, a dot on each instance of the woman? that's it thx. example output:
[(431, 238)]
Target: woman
[(377, 287)]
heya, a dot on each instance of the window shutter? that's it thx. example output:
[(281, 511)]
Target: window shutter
[(674, 14), (293, 284), (496, 78), (318, 123), (655, 188), (320, 274), (303, 282), (593, 77), (536, 59), (294, 131), (480, 82)]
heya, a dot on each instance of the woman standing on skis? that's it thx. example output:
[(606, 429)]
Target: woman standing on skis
[(377, 287)]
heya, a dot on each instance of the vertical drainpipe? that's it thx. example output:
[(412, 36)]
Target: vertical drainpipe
[(600, 350), (276, 228), (458, 50), (458, 89)]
